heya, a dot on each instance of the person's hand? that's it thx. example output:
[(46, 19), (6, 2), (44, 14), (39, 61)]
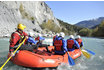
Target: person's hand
[(11, 54), (67, 52), (41, 41), (33, 44), (27, 37)]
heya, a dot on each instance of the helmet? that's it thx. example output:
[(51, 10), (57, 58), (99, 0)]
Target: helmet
[(78, 36), (21, 26), (62, 34), (39, 35), (71, 36), (30, 33), (57, 34)]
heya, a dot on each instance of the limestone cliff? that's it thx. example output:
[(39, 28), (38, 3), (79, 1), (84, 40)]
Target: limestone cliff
[(31, 13)]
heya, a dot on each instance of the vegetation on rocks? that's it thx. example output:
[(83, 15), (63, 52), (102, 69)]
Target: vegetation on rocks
[(68, 28), (85, 32), (50, 25), (99, 30), (25, 14)]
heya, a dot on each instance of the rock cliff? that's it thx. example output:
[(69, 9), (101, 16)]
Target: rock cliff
[(31, 13)]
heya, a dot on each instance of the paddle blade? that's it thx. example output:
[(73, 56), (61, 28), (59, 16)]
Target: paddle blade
[(70, 60), (86, 54), (91, 52)]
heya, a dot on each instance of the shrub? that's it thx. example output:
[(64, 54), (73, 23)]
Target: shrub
[(50, 25)]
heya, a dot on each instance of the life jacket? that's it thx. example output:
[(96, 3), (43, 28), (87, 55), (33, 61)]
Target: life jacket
[(58, 45), (70, 44), (20, 40), (79, 41), (37, 38), (54, 38)]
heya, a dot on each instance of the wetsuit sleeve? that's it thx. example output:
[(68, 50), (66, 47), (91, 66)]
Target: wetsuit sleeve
[(31, 40), (14, 39), (64, 45), (81, 43), (76, 44), (42, 38)]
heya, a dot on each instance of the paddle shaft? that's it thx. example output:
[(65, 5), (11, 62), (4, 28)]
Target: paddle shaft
[(13, 53), (70, 60), (91, 52)]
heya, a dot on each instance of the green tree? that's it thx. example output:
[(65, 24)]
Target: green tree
[(85, 32), (99, 31)]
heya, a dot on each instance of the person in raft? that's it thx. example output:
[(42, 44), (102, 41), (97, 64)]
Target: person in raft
[(31, 40), (17, 37), (60, 44), (72, 44), (79, 40), (54, 38), (40, 40)]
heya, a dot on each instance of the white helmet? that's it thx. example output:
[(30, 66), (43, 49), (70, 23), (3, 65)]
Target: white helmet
[(57, 34), (30, 34), (71, 36), (62, 34), (78, 36), (39, 35)]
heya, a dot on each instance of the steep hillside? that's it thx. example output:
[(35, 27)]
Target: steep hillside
[(30, 13), (99, 30), (90, 23), (68, 28)]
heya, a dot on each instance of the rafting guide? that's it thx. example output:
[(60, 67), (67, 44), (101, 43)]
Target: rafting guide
[(17, 37)]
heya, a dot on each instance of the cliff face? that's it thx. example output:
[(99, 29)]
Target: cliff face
[(32, 14)]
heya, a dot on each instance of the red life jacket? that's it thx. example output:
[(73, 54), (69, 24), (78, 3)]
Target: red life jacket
[(70, 44), (79, 41), (54, 38), (58, 45), (16, 38), (37, 38), (20, 40)]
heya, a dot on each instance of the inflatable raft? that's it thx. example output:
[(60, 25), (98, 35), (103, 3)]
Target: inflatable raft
[(42, 59)]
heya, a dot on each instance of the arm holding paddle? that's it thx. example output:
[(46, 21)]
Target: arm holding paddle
[(12, 54), (70, 60), (79, 40), (83, 51)]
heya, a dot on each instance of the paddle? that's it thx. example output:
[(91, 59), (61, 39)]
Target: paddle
[(70, 60), (13, 53), (87, 55), (91, 52)]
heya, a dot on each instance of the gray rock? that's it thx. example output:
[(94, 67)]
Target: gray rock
[(10, 15)]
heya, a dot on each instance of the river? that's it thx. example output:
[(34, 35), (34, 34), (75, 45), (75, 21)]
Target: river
[(96, 62)]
